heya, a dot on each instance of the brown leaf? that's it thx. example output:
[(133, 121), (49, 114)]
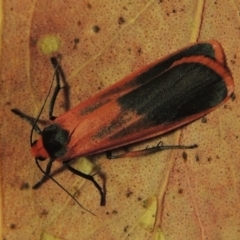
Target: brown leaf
[(101, 42)]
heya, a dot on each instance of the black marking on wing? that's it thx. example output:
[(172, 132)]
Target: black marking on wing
[(200, 49), (185, 90)]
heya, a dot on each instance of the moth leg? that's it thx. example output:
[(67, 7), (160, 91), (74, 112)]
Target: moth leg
[(46, 174), (27, 118), (58, 73), (141, 152), (90, 178)]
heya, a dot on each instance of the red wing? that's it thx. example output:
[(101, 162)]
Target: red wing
[(188, 90), (210, 49)]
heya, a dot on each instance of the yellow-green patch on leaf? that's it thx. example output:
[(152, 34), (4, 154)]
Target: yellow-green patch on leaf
[(148, 219), (49, 44)]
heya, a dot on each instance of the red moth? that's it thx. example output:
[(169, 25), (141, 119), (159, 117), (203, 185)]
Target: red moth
[(156, 99)]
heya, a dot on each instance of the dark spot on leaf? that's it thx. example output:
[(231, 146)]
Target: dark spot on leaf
[(96, 29), (24, 186), (180, 191), (184, 156), (121, 20), (12, 226), (209, 159), (114, 212), (126, 228), (129, 193), (44, 213), (197, 158), (76, 40)]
